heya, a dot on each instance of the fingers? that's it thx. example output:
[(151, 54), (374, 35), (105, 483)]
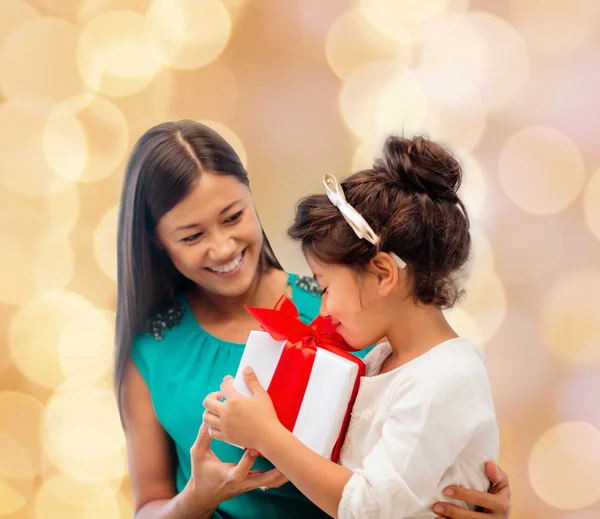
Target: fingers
[(271, 479), (473, 497), (492, 471), (242, 469), (251, 380), (498, 478), (448, 511), (227, 388), (213, 402), (202, 443)]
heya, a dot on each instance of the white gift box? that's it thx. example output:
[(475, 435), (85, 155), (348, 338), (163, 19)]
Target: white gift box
[(326, 397)]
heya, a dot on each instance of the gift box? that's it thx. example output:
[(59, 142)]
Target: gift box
[(309, 372)]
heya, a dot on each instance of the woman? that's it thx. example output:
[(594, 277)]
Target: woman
[(191, 254)]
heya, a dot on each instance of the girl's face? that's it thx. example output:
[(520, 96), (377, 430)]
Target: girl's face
[(213, 236), (352, 301)]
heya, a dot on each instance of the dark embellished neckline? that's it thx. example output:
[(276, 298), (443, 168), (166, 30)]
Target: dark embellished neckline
[(170, 316), (309, 284)]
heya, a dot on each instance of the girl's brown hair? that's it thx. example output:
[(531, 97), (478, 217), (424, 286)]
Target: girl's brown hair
[(410, 200)]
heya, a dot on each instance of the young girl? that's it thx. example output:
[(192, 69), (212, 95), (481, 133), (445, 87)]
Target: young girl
[(386, 247)]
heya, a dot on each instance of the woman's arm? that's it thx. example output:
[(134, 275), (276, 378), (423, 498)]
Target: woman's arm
[(150, 460), (495, 502), (150, 457)]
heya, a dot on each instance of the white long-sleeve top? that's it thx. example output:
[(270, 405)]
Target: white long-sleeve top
[(415, 430)]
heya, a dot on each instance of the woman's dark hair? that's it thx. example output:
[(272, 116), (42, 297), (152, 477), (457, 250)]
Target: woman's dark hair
[(410, 200), (164, 167)]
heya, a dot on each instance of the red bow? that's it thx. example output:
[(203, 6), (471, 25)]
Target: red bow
[(292, 374)]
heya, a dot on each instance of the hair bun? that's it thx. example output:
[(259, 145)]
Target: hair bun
[(422, 166)]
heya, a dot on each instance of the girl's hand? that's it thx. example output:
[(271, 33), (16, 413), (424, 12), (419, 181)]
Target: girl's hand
[(213, 481), (495, 503), (241, 420)]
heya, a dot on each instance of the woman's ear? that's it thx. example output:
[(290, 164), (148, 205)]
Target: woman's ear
[(385, 269)]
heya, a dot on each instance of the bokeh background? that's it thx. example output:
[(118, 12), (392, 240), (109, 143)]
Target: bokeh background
[(300, 88)]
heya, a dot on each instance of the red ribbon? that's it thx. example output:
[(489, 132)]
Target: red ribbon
[(290, 379)]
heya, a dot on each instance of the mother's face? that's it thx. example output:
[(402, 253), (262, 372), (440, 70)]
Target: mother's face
[(213, 235)]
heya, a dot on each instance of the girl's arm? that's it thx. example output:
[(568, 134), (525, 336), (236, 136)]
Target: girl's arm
[(252, 422), (398, 477)]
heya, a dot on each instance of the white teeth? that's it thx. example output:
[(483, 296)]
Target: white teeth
[(227, 267)]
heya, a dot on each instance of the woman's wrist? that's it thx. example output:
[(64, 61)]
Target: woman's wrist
[(190, 504)]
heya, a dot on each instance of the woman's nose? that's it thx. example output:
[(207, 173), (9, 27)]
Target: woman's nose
[(222, 248)]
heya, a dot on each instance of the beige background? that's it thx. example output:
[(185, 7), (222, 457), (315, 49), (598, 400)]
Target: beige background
[(301, 88)]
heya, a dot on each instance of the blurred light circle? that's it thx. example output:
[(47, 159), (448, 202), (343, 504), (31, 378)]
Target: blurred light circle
[(360, 96), (85, 138), (38, 60), (34, 349), (24, 414), (402, 107), (90, 9), (574, 402), (421, 32), (216, 82), (114, 55), (48, 506), (541, 20), (230, 137), (188, 34), (582, 514), (16, 475), (78, 494), (352, 42), (518, 385), (66, 9), (96, 331), (481, 263), (29, 220), (474, 61), (485, 300), (35, 267), (473, 190), (366, 153), (591, 204), (82, 423), (564, 465), (461, 130), (13, 14), (465, 325), (570, 318), (22, 162), (105, 242), (541, 170), (516, 235), (386, 15)]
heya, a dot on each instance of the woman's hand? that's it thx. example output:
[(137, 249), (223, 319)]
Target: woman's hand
[(212, 479), (246, 421), (495, 503)]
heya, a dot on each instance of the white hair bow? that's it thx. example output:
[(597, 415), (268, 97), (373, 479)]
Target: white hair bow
[(359, 225)]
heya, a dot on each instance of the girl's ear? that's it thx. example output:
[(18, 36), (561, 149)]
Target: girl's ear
[(386, 271)]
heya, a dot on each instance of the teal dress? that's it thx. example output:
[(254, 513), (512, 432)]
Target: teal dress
[(187, 364)]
